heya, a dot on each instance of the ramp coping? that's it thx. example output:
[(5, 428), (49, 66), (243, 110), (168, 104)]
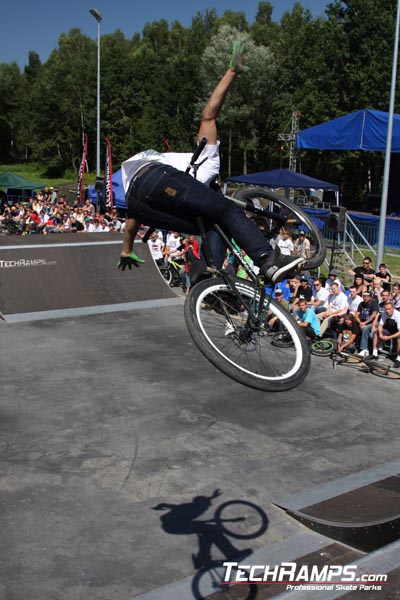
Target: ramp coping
[(82, 311)]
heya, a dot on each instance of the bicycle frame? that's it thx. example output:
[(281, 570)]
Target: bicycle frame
[(255, 318)]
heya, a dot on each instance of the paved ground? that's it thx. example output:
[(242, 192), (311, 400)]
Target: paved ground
[(105, 417)]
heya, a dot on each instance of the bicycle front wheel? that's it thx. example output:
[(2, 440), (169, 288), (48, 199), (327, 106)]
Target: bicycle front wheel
[(218, 324), (293, 215)]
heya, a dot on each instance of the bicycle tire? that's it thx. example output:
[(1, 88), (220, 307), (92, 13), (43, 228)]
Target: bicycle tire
[(244, 355), (282, 339), (246, 533), (166, 274), (383, 370), (208, 583), (322, 347), (319, 255)]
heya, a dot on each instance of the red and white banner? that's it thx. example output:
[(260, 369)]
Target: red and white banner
[(81, 172), (107, 181)]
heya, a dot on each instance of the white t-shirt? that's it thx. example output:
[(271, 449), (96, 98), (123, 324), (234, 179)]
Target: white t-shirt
[(395, 316), (337, 302), (180, 160), (322, 294), (286, 246), (353, 303), (156, 246)]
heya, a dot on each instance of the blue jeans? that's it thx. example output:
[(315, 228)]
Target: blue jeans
[(165, 197), (365, 335)]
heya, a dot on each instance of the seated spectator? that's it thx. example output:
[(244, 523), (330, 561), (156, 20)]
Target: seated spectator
[(337, 307), (360, 284), (89, 225), (348, 334), (333, 278), (272, 321), (365, 316), (366, 270), (353, 300), (384, 275), (88, 207), (388, 329), (303, 292), (377, 289), (76, 226), (308, 320), (396, 295), (317, 304)]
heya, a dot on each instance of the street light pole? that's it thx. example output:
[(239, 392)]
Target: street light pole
[(96, 14)]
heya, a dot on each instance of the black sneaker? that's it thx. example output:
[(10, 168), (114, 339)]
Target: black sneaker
[(280, 267), (396, 364), (372, 357)]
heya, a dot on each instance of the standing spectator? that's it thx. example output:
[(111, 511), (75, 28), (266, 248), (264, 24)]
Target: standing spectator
[(284, 242), (307, 319), (302, 245), (156, 247), (366, 270), (348, 334), (384, 276), (365, 316), (336, 307), (388, 329)]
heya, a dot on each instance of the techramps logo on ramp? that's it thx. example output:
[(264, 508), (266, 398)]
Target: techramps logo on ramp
[(24, 262)]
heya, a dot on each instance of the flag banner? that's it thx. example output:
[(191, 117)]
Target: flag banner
[(81, 173), (107, 181)]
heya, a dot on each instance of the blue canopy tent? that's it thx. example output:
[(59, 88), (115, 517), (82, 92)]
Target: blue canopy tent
[(283, 178), (118, 191), (364, 129)]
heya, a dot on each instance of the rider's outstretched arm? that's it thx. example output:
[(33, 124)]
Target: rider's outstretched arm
[(128, 257), (208, 123)]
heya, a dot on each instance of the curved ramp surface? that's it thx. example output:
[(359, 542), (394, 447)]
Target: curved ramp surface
[(75, 273)]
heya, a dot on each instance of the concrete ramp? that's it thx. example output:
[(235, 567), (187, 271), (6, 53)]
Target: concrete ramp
[(72, 274)]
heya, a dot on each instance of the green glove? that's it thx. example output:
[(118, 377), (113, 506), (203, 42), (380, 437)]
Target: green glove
[(237, 62), (128, 261)]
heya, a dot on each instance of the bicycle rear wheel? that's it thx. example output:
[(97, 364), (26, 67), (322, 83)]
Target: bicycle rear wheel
[(218, 325), (293, 216)]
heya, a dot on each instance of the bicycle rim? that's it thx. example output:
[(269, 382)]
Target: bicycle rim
[(166, 274), (293, 213), (322, 347), (217, 323)]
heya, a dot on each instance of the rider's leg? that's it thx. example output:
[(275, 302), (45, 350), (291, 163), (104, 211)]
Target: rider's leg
[(164, 195)]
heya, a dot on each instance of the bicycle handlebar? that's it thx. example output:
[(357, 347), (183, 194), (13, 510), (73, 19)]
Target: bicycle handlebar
[(197, 152), (249, 206)]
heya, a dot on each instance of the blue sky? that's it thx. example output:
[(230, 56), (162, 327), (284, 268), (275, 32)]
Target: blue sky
[(28, 25)]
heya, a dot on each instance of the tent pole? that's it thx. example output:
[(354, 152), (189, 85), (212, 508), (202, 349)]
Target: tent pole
[(386, 173)]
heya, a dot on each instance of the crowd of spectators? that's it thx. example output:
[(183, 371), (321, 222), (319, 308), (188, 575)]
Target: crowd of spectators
[(360, 317), (48, 213)]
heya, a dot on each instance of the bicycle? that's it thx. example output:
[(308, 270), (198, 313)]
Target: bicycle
[(227, 317), (171, 273)]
